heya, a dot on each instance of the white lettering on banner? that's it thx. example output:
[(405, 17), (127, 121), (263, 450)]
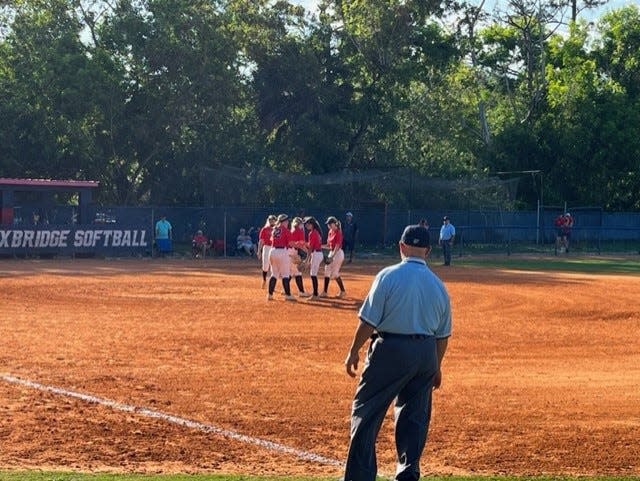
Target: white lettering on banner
[(64, 241), (139, 242), (42, 238), (117, 238), (87, 238), (97, 234), (17, 239), (4, 238), (28, 238)]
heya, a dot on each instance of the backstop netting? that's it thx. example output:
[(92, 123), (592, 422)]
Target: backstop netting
[(400, 188)]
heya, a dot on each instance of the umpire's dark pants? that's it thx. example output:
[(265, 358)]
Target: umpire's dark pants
[(446, 251), (400, 368)]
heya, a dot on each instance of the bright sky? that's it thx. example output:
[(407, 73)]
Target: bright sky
[(490, 5), (308, 4)]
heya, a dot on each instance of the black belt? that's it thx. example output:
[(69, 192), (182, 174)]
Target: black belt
[(317, 250), (279, 247), (393, 335)]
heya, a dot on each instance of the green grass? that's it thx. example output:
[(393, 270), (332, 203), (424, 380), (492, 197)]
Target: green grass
[(42, 476), (529, 261), (593, 265)]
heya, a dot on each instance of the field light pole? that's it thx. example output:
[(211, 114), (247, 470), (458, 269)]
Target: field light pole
[(540, 201)]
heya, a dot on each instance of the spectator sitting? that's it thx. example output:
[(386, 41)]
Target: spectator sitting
[(199, 245), (244, 245)]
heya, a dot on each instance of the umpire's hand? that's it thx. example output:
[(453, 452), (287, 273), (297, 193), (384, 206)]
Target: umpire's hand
[(351, 363)]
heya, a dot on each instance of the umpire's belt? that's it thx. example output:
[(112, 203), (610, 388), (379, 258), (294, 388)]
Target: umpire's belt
[(393, 335)]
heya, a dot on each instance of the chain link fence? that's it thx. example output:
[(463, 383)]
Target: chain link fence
[(379, 228)]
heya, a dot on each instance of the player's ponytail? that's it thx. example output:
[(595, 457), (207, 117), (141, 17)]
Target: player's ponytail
[(316, 226), (314, 223)]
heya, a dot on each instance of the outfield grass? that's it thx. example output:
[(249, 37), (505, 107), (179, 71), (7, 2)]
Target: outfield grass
[(41, 476), (594, 265)]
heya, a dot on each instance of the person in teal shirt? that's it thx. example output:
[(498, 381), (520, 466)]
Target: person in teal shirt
[(164, 235)]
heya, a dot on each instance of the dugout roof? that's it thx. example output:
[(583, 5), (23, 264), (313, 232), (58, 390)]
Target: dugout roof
[(9, 186), (46, 184)]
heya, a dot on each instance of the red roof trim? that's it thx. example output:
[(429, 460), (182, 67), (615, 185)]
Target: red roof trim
[(48, 182)]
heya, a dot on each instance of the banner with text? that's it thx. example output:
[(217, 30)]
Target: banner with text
[(68, 240)]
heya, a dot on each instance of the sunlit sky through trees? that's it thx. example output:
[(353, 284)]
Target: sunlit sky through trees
[(490, 5)]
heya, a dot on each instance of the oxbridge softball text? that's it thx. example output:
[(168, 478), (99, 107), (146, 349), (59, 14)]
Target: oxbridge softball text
[(31, 238)]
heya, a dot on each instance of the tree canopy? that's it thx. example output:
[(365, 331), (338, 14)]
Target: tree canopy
[(145, 95)]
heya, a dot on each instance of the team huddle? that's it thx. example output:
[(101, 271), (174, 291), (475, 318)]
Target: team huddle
[(286, 250)]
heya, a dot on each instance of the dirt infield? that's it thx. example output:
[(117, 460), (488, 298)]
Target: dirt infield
[(542, 374)]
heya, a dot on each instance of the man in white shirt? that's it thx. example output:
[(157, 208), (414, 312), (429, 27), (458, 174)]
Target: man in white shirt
[(447, 236)]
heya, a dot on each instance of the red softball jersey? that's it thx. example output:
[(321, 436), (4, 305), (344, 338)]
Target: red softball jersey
[(334, 239), (297, 235), (280, 237), (265, 235), (315, 240)]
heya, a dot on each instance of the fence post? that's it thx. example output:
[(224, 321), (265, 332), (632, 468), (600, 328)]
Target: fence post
[(224, 233), (385, 221), (538, 224), (153, 233)]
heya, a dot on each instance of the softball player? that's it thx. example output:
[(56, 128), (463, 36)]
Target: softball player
[(297, 238), (264, 246), (336, 254), (314, 248), (279, 257)]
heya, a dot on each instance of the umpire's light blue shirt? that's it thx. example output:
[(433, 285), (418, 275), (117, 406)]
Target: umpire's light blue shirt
[(407, 298), (447, 231)]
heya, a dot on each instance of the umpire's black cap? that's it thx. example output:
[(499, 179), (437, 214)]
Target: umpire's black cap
[(415, 236)]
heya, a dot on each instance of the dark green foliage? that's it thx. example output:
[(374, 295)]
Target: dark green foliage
[(145, 96)]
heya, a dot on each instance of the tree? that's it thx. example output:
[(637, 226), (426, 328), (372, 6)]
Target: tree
[(47, 83), (178, 90), (587, 129)]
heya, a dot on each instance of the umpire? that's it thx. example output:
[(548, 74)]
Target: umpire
[(407, 316)]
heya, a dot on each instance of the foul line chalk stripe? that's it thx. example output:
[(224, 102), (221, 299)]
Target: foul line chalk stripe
[(152, 413)]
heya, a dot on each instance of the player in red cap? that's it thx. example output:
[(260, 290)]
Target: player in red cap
[(336, 254), (279, 257)]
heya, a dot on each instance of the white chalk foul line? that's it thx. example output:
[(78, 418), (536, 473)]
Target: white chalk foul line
[(170, 418)]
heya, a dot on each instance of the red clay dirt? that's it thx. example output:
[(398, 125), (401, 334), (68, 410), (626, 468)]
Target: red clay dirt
[(542, 374)]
